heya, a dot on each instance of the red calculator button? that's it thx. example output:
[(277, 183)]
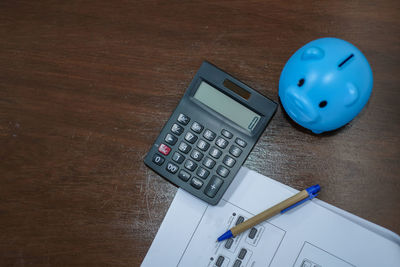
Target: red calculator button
[(164, 149)]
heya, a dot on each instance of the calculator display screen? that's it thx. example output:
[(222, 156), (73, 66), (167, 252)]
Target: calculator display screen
[(226, 106)]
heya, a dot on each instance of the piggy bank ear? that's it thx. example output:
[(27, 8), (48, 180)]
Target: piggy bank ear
[(312, 53), (351, 94)]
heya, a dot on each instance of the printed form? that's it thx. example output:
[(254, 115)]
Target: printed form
[(314, 234)]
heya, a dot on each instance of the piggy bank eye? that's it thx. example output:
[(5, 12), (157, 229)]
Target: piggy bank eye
[(323, 104), (301, 82)]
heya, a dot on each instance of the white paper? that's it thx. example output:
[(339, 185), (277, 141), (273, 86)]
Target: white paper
[(311, 235)]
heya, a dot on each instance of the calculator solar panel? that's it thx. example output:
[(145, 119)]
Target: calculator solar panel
[(210, 134)]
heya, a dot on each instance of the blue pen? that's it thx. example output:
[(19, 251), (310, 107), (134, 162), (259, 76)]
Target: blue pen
[(281, 207)]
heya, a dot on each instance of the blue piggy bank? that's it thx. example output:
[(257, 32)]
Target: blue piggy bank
[(325, 84)]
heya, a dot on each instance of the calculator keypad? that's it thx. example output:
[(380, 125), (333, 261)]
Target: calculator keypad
[(178, 157), (209, 163), (222, 171), (184, 175), (185, 148), (203, 145), (170, 139), (229, 161), (221, 142), (183, 119), (235, 151), (215, 152), (196, 183), (240, 142), (177, 129), (209, 135), (196, 154), (190, 165), (202, 173), (164, 149), (196, 127), (172, 168), (213, 186), (190, 137), (227, 134), (158, 159)]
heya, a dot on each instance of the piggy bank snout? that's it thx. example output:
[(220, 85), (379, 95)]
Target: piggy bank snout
[(299, 107)]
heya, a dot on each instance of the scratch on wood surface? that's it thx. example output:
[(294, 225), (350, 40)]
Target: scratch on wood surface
[(105, 203), (148, 178), (154, 199), (148, 209), (88, 137)]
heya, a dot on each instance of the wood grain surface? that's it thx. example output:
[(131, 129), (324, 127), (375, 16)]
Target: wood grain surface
[(86, 86)]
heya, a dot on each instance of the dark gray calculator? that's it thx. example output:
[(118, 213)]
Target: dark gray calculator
[(210, 133)]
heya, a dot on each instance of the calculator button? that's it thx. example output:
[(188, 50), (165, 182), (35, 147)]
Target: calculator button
[(197, 127), (239, 220), (219, 261), (185, 148), (176, 129), (209, 135), (209, 163), (228, 243), (196, 155), (158, 159), (196, 183), (213, 186), (229, 161), (202, 173), (240, 142), (237, 263), (203, 145), (191, 138), (234, 150), (164, 149), (215, 152), (222, 171), (221, 142), (184, 175), (172, 168), (170, 139), (183, 119), (242, 253), (227, 134), (253, 233), (178, 157), (190, 165)]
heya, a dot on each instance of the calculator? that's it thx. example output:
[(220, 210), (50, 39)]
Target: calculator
[(210, 133)]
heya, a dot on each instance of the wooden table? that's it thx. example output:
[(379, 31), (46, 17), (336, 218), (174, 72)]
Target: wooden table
[(85, 88)]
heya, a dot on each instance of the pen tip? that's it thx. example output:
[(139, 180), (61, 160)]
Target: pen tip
[(226, 235)]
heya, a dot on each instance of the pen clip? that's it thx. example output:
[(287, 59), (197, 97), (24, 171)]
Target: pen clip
[(310, 196)]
